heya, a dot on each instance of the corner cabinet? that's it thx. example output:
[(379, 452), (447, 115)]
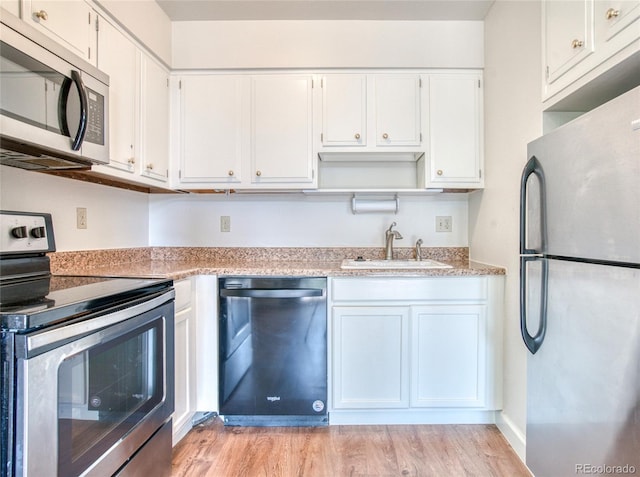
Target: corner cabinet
[(138, 110), (245, 131), (415, 349), (586, 39)]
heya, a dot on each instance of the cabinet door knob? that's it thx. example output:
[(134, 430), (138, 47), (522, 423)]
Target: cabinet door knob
[(230, 173), (385, 136), (439, 172), (41, 15), (150, 167), (577, 44), (612, 13), (357, 136), (131, 160), (258, 173)]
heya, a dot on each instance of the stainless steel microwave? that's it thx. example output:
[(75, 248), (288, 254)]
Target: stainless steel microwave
[(54, 106)]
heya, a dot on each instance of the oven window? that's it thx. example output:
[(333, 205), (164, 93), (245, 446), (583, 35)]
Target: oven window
[(103, 392)]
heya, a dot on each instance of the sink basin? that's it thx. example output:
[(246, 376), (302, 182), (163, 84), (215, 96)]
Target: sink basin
[(349, 264)]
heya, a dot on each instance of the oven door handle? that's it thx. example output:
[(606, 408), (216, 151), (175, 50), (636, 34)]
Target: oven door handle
[(40, 342)]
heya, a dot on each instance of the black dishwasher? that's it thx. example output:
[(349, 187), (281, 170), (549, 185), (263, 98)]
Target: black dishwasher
[(273, 351)]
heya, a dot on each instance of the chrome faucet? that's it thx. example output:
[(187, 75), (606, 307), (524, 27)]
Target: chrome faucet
[(389, 236), (419, 250)]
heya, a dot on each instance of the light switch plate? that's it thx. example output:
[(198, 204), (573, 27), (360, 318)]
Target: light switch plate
[(443, 223)]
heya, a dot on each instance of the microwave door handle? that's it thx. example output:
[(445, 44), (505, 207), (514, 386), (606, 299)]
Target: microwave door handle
[(84, 102)]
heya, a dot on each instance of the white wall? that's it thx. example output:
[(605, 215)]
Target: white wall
[(145, 20), (513, 117), (327, 44), (116, 218), (300, 221)]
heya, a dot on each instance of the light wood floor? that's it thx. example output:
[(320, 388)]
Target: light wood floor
[(212, 450)]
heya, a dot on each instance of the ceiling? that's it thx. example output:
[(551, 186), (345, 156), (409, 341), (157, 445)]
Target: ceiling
[(189, 10)]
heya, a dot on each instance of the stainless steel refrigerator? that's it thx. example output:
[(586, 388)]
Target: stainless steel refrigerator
[(580, 293)]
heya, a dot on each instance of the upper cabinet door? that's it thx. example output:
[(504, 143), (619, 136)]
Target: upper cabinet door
[(119, 58), (613, 17), (211, 129), (281, 129), (568, 35), (154, 126), (397, 109), (344, 110), (69, 22), (455, 131)]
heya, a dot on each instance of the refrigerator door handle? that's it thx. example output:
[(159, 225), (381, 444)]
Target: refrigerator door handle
[(533, 343), (533, 167)]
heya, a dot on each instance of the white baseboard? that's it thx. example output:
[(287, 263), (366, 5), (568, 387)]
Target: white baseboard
[(391, 417), (514, 435)]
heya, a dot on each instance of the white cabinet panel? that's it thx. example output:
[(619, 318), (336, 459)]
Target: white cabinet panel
[(397, 110), (344, 110), (448, 358), (455, 131), (370, 357), (568, 35), (69, 22), (211, 136), (154, 124), (120, 59), (281, 129)]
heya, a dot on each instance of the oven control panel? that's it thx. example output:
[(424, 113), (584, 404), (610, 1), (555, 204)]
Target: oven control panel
[(25, 233)]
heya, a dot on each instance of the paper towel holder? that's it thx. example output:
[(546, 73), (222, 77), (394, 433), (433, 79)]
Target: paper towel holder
[(361, 205)]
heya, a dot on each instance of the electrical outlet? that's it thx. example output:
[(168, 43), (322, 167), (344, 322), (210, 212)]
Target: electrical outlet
[(443, 223), (81, 217), (225, 223)]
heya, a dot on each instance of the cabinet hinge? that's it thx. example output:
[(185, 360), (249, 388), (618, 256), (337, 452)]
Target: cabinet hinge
[(420, 137), (480, 173), (166, 173), (322, 82), (313, 174), (419, 82), (479, 86), (167, 82), (97, 23), (180, 84), (322, 137), (179, 173), (89, 18), (89, 52), (546, 73)]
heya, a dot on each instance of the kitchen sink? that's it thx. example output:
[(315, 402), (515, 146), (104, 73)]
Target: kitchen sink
[(412, 264)]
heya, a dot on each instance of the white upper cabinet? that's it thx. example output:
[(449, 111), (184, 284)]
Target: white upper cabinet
[(120, 59), (344, 110), (154, 124), (388, 105), (211, 130), (455, 152), (246, 131), (138, 110), (281, 129), (568, 35), (397, 109), (69, 22), (588, 39)]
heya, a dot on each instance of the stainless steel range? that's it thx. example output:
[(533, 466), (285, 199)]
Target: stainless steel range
[(87, 364)]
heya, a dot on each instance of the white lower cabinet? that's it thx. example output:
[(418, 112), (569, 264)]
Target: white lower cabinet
[(448, 359), (410, 350), (185, 359), (371, 356)]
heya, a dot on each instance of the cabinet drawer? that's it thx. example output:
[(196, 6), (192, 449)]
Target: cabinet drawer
[(414, 289), (183, 294)]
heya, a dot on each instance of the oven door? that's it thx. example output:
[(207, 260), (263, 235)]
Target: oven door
[(91, 393)]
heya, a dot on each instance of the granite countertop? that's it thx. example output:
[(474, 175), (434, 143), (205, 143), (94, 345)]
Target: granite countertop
[(182, 262)]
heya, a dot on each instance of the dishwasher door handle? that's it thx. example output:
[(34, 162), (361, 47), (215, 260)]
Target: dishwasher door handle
[(271, 292)]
